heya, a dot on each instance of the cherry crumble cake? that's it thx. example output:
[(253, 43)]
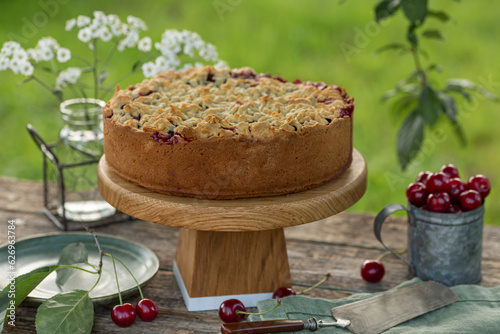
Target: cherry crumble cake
[(223, 134)]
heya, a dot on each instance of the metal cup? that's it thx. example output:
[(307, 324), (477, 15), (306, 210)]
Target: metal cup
[(443, 247)]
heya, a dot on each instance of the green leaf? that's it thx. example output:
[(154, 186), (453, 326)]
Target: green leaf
[(392, 46), (410, 138), (460, 133), (411, 36), (24, 284), (467, 84), (410, 88), (136, 65), (429, 105), (450, 108), (385, 9), (415, 10), (451, 112), (433, 33), (440, 15), (67, 312), (404, 103), (74, 253), (459, 90)]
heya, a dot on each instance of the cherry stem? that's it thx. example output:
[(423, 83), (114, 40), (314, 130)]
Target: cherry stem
[(101, 253), (123, 264), (327, 276), (278, 303), (400, 252), (116, 278)]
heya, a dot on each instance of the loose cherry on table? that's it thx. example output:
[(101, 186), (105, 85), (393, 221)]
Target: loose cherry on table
[(372, 271), (123, 315), (283, 292), (146, 310), (233, 310)]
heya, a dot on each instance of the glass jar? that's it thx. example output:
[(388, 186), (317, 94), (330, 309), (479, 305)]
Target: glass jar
[(83, 125), (77, 152)]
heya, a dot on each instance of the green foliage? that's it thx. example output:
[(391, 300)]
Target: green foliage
[(75, 253), (68, 312), (24, 284), (432, 103)]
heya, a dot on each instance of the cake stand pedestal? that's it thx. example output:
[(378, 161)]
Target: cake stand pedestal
[(233, 248)]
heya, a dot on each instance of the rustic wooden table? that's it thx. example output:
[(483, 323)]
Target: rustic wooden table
[(337, 245)]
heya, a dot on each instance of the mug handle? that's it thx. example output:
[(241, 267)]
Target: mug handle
[(379, 221)]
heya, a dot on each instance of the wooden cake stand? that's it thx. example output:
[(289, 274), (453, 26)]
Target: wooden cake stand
[(232, 248)]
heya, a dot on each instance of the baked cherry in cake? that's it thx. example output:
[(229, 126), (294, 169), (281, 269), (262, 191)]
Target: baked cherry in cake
[(222, 133)]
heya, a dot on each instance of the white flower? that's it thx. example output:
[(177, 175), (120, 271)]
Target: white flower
[(149, 69), (26, 68), (63, 55), (136, 23), (14, 65), (104, 34), (46, 54), (144, 44), (113, 19), (20, 55), (68, 76), (4, 63), (47, 42), (70, 24), (9, 47), (85, 35), (33, 54), (82, 21), (221, 64), (100, 17), (129, 41)]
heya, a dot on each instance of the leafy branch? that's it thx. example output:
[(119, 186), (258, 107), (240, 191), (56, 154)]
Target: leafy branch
[(416, 96)]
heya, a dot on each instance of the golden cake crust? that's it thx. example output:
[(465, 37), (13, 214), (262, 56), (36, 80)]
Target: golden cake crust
[(216, 157)]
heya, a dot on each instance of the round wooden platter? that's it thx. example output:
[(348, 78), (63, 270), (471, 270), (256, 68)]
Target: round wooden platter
[(238, 215)]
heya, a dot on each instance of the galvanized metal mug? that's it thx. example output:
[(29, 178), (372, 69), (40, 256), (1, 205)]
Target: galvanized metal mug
[(443, 247)]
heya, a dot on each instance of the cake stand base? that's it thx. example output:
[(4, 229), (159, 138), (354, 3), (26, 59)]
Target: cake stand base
[(211, 267), (213, 303)]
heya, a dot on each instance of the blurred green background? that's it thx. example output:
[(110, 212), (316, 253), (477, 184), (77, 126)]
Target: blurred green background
[(314, 40)]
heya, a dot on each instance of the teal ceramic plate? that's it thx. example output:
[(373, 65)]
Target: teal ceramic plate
[(44, 250)]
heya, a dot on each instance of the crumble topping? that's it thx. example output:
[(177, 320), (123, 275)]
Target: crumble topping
[(206, 102)]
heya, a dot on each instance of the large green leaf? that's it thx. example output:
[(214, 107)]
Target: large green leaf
[(72, 254), (451, 113), (385, 9), (24, 284), (410, 138), (69, 312), (429, 105), (457, 84), (415, 10)]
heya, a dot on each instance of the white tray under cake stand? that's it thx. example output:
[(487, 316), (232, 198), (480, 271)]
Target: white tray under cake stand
[(233, 248)]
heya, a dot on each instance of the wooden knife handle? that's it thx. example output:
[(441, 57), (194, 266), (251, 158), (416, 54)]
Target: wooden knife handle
[(268, 326)]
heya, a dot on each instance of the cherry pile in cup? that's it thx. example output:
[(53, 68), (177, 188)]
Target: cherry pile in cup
[(446, 192)]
